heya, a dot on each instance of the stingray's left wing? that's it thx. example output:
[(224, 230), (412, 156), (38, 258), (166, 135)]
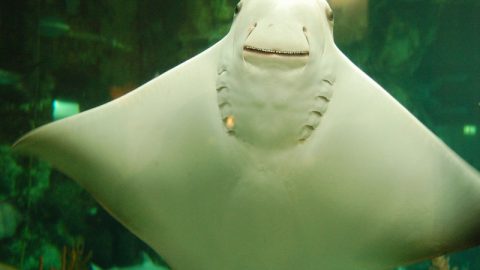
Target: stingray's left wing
[(410, 196)]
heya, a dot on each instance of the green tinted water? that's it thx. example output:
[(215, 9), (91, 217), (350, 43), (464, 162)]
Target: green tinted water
[(85, 53)]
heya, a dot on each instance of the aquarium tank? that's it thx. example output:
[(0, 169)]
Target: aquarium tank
[(62, 57)]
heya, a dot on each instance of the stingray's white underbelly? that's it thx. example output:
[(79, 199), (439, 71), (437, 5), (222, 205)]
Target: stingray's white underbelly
[(263, 218)]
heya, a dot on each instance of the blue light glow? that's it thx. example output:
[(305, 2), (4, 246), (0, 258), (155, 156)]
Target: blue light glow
[(62, 109), (469, 130)]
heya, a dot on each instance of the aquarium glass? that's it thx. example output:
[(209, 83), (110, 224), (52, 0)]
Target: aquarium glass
[(62, 57)]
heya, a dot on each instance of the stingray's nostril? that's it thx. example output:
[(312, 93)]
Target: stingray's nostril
[(251, 28)]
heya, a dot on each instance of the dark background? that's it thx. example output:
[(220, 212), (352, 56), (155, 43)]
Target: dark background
[(426, 53)]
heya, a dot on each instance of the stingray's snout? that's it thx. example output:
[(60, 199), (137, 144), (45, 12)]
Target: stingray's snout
[(279, 44)]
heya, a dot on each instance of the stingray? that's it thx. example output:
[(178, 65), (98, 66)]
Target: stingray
[(270, 150)]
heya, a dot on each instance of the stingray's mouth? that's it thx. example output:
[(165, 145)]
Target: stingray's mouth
[(275, 58), (252, 49), (276, 44)]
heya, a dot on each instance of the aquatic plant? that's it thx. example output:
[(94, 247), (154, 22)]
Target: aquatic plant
[(10, 171), (73, 258), (9, 219), (441, 263)]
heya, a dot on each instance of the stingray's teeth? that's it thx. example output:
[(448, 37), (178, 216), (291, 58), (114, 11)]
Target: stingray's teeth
[(272, 51)]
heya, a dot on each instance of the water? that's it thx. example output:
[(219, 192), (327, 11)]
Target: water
[(83, 54)]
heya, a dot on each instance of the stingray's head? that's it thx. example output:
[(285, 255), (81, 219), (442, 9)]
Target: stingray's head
[(281, 33), (275, 75)]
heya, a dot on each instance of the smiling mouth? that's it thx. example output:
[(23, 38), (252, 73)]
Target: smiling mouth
[(275, 52)]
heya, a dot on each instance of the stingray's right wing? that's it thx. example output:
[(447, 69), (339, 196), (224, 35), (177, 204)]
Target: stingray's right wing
[(134, 154)]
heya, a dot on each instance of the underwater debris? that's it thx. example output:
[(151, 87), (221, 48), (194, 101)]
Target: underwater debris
[(117, 91)]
